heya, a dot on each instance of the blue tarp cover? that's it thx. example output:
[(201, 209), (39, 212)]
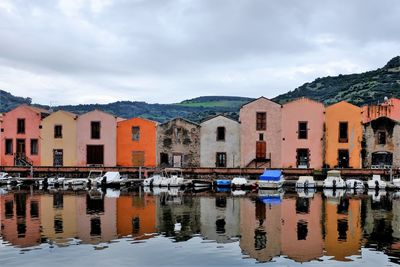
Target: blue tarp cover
[(223, 182), (271, 199), (271, 175)]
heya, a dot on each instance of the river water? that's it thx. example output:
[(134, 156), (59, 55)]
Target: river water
[(174, 228)]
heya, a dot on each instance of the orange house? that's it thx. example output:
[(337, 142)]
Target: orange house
[(136, 143), (136, 216), (343, 135)]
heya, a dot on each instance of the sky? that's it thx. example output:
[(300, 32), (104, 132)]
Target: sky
[(165, 51)]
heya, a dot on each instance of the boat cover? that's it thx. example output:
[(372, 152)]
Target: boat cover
[(271, 175), (271, 199), (223, 182)]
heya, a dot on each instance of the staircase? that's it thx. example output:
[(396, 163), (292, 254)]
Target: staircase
[(20, 159), (260, 163)]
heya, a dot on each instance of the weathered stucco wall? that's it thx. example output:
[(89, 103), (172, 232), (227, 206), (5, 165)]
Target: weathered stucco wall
[(249, 134), (108, 136), (302, 110), (209, 145), (390, 109), (67, 143), (343, 112), (179, 138)]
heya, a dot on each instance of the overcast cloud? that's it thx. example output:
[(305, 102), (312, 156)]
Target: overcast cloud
[(100, 51)]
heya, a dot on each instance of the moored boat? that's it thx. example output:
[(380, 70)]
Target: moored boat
[(334, 180), (354, 184), (306, 182), (376, 183), (271, 179)]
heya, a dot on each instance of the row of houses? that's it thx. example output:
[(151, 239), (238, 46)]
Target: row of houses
[(299, 134)]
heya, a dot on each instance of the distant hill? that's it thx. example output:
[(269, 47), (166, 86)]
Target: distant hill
[(359, 89), (194, 109)]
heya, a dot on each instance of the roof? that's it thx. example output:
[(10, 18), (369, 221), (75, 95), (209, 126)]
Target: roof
[(303, 98), (218, 115), (98, 110), (261, 97), (136, 118), (179, 118), (343, 102), (380, 118)]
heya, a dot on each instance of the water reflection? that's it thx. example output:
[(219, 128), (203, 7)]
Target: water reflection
[(301, 226)]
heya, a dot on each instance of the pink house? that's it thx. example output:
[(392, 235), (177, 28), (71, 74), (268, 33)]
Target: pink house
[(260, 133), (20, 139), (302, 134), (96, 139)]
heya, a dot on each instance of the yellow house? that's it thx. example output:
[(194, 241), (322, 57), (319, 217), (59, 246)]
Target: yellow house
[(58, 138)]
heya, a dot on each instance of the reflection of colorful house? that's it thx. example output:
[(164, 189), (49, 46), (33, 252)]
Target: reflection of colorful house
[(1, 139), (96, 219), (302, 134), (343, 135), (58, 135), (96, 139), (59, 217), (301, 228), (137, 143), (220, 218), (136, 216), (20, 219), (21, 136), (260, 228), (260, 134), (342, 228)]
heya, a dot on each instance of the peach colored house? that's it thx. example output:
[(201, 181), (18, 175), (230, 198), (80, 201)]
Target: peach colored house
[(260, 228), (96, 219), (21, 136), (302, 238), (343, 135), (260, 133), (96, 139), (302, 134), (137, 143), (58, 139), (20, 219)]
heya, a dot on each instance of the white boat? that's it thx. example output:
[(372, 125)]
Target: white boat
[(306, 192), (334, 180), (271, 179), (110, 178), (376, 194), (238, 193), (306, 182), (396, 182), (4, 178), (239, 182), (56, 181), (174, 178), (354, 184), (376, 183)]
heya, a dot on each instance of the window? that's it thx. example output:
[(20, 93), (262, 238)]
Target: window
[(95, 129), (221, 160), (164, 159), (221, 134), (20, 126), (343, 135), (302, 131), (261, 121), (58, 131), (260, 137), (382, 138), (9, 147), (34, 146), (135, 133)]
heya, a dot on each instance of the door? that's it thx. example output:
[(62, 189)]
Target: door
[(21, 146), (95, 155), (177, 161), (343, 158), (261, 150), (220, 160), (303, 159), (137, 158), (58, 156)]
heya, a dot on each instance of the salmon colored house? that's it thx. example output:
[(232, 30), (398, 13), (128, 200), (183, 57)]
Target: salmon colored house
[(137, 143), (20, 219), (302, 238), (302, 134), (96, 139), (136, 216), (260, 134), (342, 228), (389, 108), (58, 139), (21, 136), (343, 136)]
